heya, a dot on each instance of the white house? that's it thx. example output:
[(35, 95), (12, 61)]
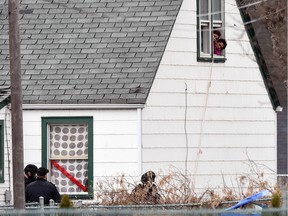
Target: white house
[(129, 86)]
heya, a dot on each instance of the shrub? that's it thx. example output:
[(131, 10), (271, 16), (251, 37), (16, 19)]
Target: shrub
[(276, 200), (66, 202)]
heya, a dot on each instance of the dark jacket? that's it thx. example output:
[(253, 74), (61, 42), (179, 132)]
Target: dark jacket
[(28, 181), (42, 187)]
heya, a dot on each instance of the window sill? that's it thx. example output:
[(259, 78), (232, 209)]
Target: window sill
[(216, 59), (80, 196)]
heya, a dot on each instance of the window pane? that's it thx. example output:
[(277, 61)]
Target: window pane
[(205, 39), (216, 9), (68, 141), (70, 176), (69, 158), (204, 10)]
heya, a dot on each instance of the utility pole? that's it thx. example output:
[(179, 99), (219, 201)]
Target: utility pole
[(16, 105), (284, 186)]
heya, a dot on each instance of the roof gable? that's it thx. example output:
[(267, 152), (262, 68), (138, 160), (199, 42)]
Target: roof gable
[(103, 51)]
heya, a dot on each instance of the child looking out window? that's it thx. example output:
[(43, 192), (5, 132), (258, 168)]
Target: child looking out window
[(219, 43)]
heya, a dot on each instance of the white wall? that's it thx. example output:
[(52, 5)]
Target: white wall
[(115, 141), (229, 123), (8, 184), (115, 138)]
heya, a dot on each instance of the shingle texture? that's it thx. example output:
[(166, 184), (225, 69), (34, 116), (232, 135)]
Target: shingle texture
[(88, 51)]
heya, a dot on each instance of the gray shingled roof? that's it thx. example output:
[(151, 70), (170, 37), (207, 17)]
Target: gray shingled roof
[(88, 51)]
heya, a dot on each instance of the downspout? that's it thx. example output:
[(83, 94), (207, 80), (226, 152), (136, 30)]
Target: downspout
[(139, 140)]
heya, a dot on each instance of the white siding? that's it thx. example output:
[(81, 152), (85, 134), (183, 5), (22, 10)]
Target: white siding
[(229, 122), (115, 141), (115, 138), (8, 184)]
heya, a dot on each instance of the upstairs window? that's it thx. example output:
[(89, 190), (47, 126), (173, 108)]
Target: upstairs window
[(210, 15)]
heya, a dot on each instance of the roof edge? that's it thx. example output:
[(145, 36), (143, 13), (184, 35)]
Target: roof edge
[(80, 106)]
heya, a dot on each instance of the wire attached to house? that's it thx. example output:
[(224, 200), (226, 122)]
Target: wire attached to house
[(185, 129), (186, 140)]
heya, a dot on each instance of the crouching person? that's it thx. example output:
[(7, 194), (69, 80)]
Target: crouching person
[(42, 187), (146, 192)]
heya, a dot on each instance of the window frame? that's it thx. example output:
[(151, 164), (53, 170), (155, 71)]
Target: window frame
[(46, 121), (2, 167), (203, 57)]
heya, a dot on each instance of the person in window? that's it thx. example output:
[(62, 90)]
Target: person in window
[(219, 45), (146, 191), (42, 187), (30, 173), (216, 35)]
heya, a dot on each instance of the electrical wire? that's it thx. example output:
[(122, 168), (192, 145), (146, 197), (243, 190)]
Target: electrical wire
[(131, 19), (82, 10), (241, 7), (263, 17), (185, 130)]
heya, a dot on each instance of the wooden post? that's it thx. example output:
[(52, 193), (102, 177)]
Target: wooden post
[(286, 201), (16, 105)]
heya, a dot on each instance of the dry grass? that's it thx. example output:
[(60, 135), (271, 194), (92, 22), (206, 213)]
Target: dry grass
[(115, 191), (176, 188)]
